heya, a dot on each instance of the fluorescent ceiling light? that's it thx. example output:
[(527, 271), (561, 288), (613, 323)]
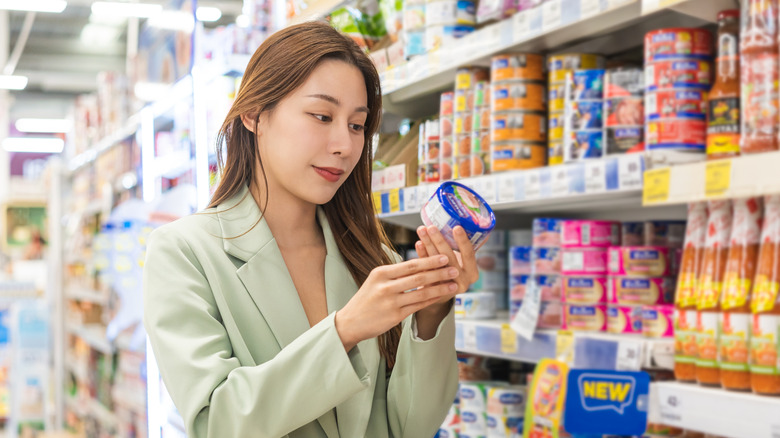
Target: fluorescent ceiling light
[(54, 6), (43, 125), (8, 82), (242, 21), (140, 10), (94, 33), (110, 20), (46, 145), (173, 20), (208, 14)]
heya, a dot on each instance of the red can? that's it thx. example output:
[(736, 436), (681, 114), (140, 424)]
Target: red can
[(674, 103), (676, 133), (673, 43), (446, 104), (678, 73)]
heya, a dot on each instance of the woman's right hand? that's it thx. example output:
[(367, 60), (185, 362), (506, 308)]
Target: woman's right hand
[(383, 301)]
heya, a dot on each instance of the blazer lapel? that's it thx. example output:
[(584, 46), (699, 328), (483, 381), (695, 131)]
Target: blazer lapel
[(340, 287), (266, 277)]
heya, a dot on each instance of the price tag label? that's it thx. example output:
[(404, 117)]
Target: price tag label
[(629, 356), (717, 178), (545, 182), (575, 176), (589, 8), (469, 337), (506, 188), (508, 339), (564, 346), (488, 189), (551, 15), (595, 177), (395, 201), (656, 189), (533, 185), (528, 315), (410, 199), (507, 32), (671, 406), (630, 170), (521, 24), (377, 202), (560, 181)]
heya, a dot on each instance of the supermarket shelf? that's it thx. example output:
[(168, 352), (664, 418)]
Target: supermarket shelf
[(612, 186), (318, 10), (494, 338), (135, 402), (101, 414), (749, 175), (74, 406), (78, 371), (93, 335), (598, 26), (104, 145), (173, 164), (714, 410), (90, 296)]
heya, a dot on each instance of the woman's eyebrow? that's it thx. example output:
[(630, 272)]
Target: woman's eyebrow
[(333, 100)]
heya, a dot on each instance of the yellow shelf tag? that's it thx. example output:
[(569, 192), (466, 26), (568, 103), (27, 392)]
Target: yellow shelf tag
[(377, 202), (395, 201), (508, 339), (564, 346), (656, 186), (717, 178)]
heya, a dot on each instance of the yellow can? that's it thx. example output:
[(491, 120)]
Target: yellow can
[(559, 65)]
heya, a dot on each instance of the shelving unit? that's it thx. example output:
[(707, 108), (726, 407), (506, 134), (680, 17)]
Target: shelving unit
[(495, 338), (714, 410)]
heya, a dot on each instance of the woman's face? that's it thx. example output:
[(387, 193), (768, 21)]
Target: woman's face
[(312, 140)]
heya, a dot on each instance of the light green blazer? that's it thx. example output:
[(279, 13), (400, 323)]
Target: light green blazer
[(237, 354)]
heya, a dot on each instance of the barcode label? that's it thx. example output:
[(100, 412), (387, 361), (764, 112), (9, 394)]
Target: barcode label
[(585, 233), (573, 261)]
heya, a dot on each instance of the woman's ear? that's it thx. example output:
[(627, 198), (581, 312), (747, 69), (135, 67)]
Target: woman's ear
[(250, 121)]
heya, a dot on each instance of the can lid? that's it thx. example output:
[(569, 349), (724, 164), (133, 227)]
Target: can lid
[(728, 13), (461, 202)]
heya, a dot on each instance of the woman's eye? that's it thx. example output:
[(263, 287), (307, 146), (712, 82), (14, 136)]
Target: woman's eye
[(322, 118), (357, 127)]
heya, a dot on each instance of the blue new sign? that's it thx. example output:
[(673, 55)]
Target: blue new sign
[(606, 402)]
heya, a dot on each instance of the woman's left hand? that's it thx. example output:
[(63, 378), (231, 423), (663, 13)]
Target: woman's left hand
[(432, 243)]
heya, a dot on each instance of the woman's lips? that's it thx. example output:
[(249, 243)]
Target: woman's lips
[(331, 174)]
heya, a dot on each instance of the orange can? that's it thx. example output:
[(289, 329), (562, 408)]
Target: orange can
[(516, 155), (463, 166), (519, 95), (520, 126), (513, 66), (463, 145)]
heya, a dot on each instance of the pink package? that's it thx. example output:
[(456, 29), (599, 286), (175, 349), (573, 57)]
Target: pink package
[(590, 234), (549, 285), (546, 261), (585, 318), (643, 261), (624, 319), (585, 289), (635, 291), (658, 321), (584, 262)]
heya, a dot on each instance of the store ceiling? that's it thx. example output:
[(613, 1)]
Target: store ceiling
[(62, 62)]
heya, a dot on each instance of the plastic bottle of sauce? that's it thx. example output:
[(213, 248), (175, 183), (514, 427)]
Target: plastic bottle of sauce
[(723, 105), (734, 324), (710, 287), (685, 299), (765, 304), (759, 76)]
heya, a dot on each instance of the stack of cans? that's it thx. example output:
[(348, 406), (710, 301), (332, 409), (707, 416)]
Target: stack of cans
[(558, 67), (583, 134), (467, 81), (519, 99), (473, 159), (678, 74), (624, 111)]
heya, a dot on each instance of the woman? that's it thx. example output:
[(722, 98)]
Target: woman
[(278, 311)]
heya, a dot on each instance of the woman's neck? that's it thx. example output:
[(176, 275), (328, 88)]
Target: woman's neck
[(292, 221)]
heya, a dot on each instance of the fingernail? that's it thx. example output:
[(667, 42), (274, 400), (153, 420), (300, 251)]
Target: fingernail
[(452, 272), (422, 231), (453, 287), (443, 259)]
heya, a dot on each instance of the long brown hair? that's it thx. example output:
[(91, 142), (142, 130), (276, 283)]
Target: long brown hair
[(279, 66)]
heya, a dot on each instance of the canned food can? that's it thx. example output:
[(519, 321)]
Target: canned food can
[(446, 169), (674, 73), (557, 97), (624, 82), (519, 125), (555, 153), (480, 164), (513, 66), (624, 111), (676, 133), (581, 145), (467, 77), (675, 42), (560, 65), (587, 114), (676, 103), (447, 104), (482, 95), (463, 145), (585, 84), (624, 140), (556, 126), (516, 155), (480, 142), (463, 123), (519, 95), (464, 100)]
